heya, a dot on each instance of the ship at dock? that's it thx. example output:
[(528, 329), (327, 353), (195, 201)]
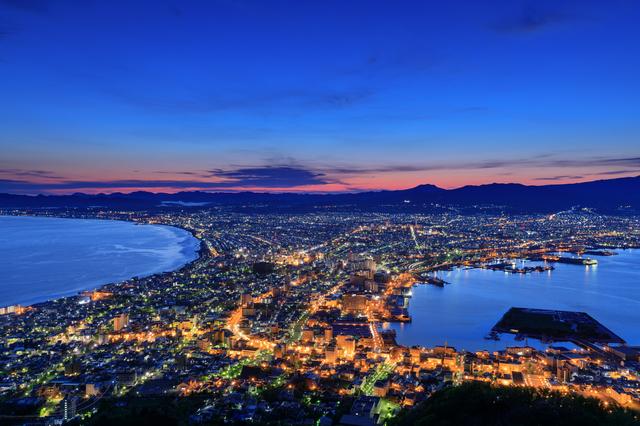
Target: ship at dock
[(576, 261), (427, 279), (569, 260)]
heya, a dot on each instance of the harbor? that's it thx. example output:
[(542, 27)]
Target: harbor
[(476, 299)]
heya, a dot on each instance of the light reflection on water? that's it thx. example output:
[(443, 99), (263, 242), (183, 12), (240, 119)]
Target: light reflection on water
[(464, 311), (46, 258)]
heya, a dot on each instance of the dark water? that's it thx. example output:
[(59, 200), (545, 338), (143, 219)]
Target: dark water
[(463, 312), (46, 258)]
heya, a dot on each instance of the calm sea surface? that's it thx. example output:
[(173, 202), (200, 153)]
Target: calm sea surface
[(464, 311), (47, 258)]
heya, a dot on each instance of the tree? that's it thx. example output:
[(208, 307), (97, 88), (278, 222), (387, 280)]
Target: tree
[(480, 403)]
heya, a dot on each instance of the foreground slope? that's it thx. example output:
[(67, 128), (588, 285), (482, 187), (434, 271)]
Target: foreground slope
[(481, 403)]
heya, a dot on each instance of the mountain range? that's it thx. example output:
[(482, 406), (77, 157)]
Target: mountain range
[(604, 196)]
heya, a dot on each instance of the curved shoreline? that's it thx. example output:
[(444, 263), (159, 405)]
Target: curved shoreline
[(203, 246), (200, 253)]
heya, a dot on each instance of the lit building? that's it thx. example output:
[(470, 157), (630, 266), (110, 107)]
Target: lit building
[(328, 334), (203, 344), (245, 299), (103, 339), (68, 405), (307, 335), (331, 354), (350, 347), (10, 309), (120, 322), (354, 303), (280, 350), (381, 387)]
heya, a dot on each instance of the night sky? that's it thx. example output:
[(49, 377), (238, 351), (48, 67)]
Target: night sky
[(105, 96)]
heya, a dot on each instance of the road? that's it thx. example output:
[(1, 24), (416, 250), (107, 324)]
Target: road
[(535, 380)]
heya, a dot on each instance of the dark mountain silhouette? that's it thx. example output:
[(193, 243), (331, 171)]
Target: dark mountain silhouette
[(606, 196)]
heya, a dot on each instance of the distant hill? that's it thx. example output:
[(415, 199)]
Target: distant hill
[(605, 196)]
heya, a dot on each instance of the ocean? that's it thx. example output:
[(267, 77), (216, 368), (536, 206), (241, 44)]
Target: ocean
[(47, 258)]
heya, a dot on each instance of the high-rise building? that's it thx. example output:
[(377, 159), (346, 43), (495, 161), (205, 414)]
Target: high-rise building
[(280, 350), (307, 335), (354, 303), (10, 309), (182, 362), (328, 334), (245, 299), (203, 344), (73, 368), (68, 407), (126, 377), (120, 322), (331, 354), (350, 347)]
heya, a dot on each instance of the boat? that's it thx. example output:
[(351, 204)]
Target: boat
[(436, 281), (577, 261)]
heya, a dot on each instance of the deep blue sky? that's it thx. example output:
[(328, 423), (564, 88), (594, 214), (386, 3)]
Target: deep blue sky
[(99, 96)]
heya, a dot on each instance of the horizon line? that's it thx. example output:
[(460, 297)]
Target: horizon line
[(284, 191)]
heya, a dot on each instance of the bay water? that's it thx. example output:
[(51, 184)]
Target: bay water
[(44, 258), (463, 312)]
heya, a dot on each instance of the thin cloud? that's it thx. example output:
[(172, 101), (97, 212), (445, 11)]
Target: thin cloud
[(255, 102), (34, 6), (412, 59), (597, 162), (413, 116), (176, 173), (471, 109), (245, 6), (487, 164), (6, 31), (289, 177), (617, 172), (560, 178), (542, 161), (13, 185), (13, 182), (532, 19), (175, 11), (270, 177), (274, 177), (33, 173), (344, 100)]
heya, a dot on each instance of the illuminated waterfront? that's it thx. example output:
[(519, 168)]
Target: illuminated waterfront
[(463, 312)]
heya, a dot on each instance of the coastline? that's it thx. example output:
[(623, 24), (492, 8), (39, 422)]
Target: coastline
[(202, 245), (200, 252)]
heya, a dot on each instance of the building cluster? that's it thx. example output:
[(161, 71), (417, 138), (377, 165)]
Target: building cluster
[(279, 319)]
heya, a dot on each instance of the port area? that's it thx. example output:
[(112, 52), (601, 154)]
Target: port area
[(548, 326)]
